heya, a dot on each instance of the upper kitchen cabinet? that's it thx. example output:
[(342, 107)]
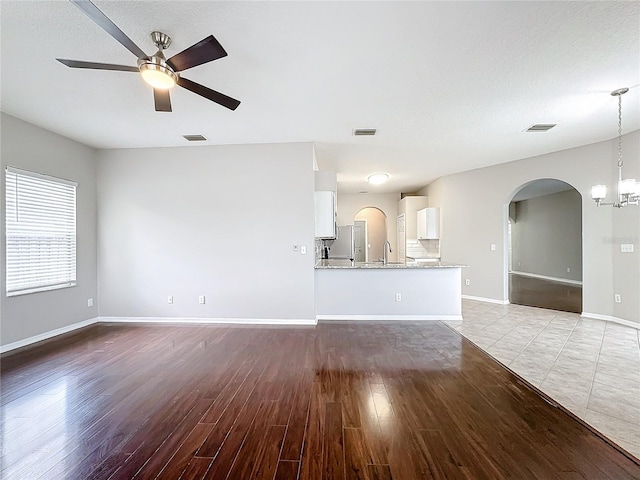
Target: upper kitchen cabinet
[(326, 185), (428, 224), (409, 206), (325, 214)]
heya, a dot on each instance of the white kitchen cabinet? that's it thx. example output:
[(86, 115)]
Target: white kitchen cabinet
[(409, 205), (428, 224), (325, 214)]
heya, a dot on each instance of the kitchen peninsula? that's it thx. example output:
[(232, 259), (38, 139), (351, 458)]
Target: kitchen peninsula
[(394, 291)]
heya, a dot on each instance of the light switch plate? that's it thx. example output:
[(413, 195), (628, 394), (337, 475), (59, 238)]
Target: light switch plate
[(493, 247), (303, 250), (626, 247)]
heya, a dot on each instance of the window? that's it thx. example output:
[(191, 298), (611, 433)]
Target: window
[(41, 232)]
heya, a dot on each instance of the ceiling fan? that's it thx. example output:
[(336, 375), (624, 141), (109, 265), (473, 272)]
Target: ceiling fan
[(159, 72)]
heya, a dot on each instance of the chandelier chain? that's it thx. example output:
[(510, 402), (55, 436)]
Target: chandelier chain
[(619, 130), (628, 189)]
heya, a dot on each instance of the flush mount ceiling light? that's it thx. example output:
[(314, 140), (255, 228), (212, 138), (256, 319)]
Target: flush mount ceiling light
[(377, 178), (628, 189)]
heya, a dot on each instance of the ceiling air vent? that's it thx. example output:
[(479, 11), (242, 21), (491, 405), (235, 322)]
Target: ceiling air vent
[(195, 138), (541, 127), (364, 131)]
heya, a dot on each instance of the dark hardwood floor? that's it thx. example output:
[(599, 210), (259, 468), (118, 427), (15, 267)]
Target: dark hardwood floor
[(538, 292), (374, 401)]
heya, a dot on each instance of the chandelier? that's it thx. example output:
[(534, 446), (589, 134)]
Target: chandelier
[(628, 189)]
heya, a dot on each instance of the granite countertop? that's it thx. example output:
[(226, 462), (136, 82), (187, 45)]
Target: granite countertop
[(338, 263)]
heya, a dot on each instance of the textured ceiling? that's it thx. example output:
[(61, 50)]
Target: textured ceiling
[(450, 86)]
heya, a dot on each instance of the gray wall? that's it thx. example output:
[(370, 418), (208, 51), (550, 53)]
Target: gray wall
[(219, 221), (474, 211), (32, 148), (546, 236)]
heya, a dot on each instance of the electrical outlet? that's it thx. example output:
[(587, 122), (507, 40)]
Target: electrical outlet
[(303, 250), (398, 297), (568, 269), (90, 302), (493, 247), (626, 247), (170, 299), (201, 299), (467, 282), (617, 298)]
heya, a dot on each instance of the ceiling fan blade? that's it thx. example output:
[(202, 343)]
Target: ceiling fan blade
[(204, 51), (219, 98), (97, 66), (162, 99), (101, 19)]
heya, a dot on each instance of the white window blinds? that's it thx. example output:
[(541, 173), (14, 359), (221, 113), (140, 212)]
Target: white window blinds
[(40, 231)]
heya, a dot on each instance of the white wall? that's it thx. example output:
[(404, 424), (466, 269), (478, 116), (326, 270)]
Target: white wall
[(351, 203), (546, 236), (32, 148), (219, 221), (474, 212)]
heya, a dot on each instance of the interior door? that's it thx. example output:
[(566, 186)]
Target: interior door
[(360, 240), (402, 238)]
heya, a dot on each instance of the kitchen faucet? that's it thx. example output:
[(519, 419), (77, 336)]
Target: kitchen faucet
[(385, 257)]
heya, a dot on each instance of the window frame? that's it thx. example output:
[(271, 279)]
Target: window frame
[(57, 234)]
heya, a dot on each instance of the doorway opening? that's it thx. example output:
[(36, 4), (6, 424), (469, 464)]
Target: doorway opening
[(360, 240), (544, 234), (372, 223)]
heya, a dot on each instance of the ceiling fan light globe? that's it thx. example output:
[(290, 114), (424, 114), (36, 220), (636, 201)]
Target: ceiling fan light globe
[(158, 76)]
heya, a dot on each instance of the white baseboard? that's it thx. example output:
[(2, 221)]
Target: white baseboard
[(486, 300), (47, 335), (545, 277), (609, 318), (203, 321), (388, 317)]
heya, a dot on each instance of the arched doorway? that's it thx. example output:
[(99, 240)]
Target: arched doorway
[(370, 233), (544, 233)]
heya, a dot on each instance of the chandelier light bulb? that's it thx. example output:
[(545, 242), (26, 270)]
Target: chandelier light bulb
[(599, 192), (627, 186)]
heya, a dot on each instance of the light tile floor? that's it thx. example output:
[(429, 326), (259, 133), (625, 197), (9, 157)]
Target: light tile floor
[(591, 367)]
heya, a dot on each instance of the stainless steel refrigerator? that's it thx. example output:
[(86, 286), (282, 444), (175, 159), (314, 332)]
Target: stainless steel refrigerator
[(342, 246)]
